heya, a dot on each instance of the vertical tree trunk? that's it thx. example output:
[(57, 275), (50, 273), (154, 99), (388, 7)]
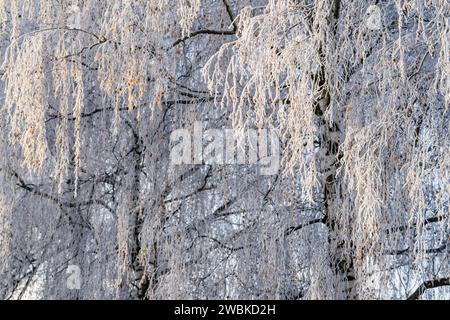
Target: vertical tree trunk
[(341, 261), (139, 281), (331, 135)]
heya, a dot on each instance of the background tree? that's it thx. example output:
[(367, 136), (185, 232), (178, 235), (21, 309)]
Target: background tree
[(357, 93)]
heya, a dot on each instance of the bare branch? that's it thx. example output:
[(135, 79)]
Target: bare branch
[(430, 284)]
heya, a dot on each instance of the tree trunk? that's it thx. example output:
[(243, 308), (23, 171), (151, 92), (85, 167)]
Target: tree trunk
[(341, 261), (140, 281)]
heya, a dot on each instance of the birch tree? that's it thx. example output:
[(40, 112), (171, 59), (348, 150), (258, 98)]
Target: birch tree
[(357, 92)]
